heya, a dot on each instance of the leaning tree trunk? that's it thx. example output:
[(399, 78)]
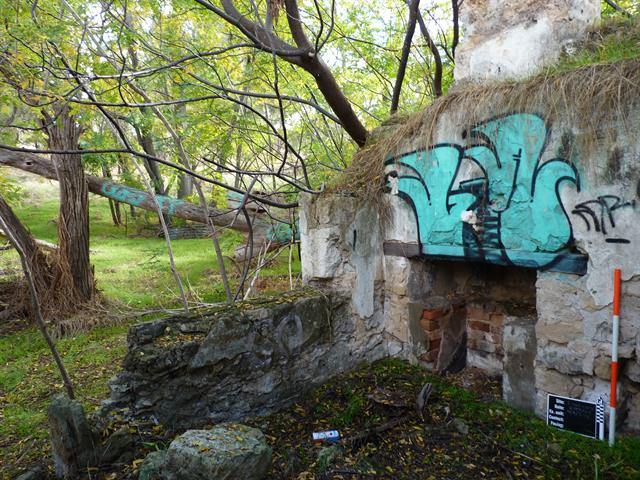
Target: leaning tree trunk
[(73, 221), (42, 271)]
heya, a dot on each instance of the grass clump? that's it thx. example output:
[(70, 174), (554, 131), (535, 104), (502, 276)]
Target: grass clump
[(590, 90)]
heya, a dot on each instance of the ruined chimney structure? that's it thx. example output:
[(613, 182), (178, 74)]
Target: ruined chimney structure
[(511, 39), (496, 230)]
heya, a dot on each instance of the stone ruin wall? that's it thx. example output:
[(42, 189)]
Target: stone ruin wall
[(554, 206), (226, 364), (541, 318), (514, 38)]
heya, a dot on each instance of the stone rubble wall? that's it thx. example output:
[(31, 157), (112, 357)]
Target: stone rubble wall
[(573, 337), (558, 339), (234, 362)]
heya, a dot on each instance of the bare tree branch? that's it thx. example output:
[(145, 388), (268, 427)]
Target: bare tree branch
[(437, 59), (406, 47)]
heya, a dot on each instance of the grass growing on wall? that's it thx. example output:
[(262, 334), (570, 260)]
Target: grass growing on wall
[(614, 40), (593, 87)]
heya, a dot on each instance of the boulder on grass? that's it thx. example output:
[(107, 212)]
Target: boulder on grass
[(228, 451)]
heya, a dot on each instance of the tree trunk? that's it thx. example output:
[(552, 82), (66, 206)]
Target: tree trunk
[(185, 186), (114, 206), (25, 242), (25, 245), (73, 221), (185, 182), (124, 194)]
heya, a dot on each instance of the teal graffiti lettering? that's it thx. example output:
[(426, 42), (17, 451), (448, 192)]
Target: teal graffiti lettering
[(123, 194), (509, 213), (136, 197)]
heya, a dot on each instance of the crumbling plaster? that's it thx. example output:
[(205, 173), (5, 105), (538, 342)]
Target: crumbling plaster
[(505, 39)]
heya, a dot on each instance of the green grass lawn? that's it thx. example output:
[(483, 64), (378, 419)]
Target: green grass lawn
[(132, 265), (132, 272)]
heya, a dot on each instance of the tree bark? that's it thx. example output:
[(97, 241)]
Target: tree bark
[(27, 249), (114, 206), (308, 59), (73, 221), (132, 196), (406, 49), (20, 236)]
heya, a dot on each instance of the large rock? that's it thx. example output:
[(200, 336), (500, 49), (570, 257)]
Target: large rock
[(229, 363), (228, 451), (73, 442), (76, 445)]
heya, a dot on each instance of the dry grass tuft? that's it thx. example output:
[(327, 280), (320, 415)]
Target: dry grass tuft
[(590, 97), (63, 309)]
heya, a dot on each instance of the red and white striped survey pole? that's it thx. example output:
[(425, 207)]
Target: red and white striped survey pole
[(614, 355)]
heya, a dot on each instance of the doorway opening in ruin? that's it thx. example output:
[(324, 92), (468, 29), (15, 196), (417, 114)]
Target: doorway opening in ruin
[(483, 315)]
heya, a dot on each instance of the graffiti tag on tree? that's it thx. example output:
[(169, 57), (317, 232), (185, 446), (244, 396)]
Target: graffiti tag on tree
[(135, 197)]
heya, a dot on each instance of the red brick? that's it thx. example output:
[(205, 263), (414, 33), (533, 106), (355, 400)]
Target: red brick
[(434, 344), (498, 330), (433, 313), (478, 325), (497, 319), (430, 325), (476, 312), (478, 335), (435, 335)]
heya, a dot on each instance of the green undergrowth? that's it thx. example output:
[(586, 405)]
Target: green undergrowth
[(501, 442), (28, 379), (132, 265), (614, 40), (132, 273)]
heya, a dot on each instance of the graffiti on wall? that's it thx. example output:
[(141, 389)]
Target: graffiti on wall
[(599, 214), (493, 199)]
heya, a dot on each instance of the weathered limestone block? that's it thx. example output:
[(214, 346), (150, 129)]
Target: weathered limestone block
[(227, 451), (342, 249), (552, 381), (407, 283), (76, 445), (232, 362), (513, 38), (575, 358), (632, 407), (518, 379)]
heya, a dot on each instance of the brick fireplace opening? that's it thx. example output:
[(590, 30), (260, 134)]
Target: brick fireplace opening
[(483, 316)]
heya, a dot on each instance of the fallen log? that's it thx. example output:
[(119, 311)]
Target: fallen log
[(104, 187)]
